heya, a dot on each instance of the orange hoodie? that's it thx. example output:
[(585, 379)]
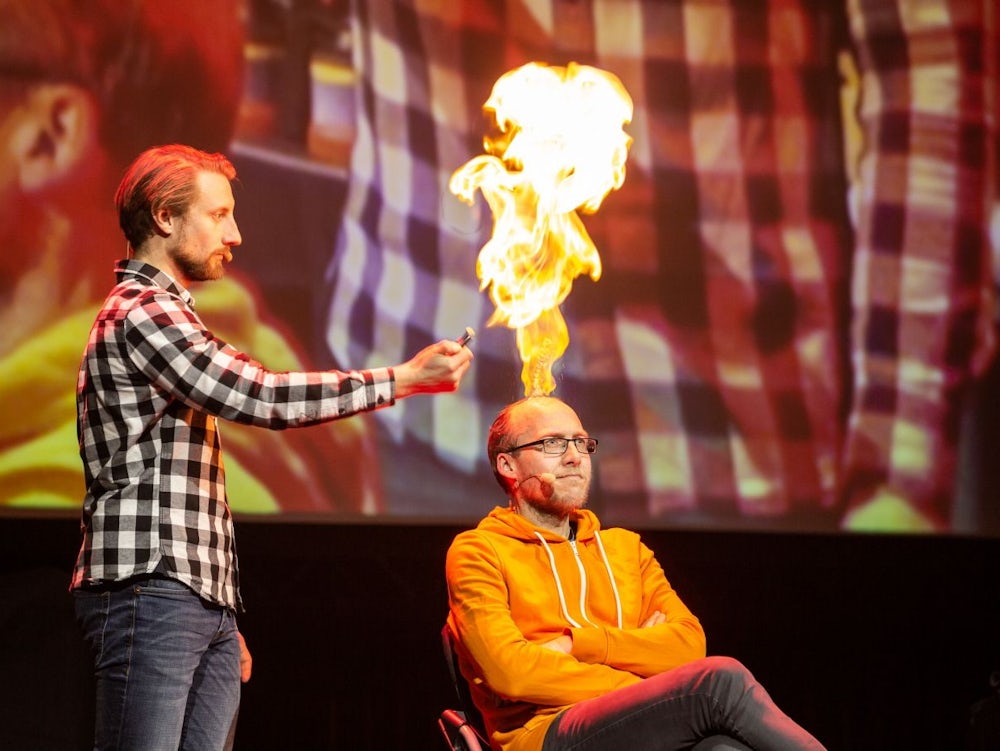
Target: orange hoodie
[(513, 586)]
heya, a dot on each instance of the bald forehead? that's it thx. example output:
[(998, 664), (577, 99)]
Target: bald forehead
[(543, 410)]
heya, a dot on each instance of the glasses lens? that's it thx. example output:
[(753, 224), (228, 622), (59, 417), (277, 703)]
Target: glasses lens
[(554, 445)]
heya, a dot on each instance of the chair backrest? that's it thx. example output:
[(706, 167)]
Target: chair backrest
[(463, 726)]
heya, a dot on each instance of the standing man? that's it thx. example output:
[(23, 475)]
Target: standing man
[(156, 582), (571, 636)]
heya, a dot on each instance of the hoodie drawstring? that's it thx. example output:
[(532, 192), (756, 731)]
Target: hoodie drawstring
[(583, 582), (611, 577), (559, 588)]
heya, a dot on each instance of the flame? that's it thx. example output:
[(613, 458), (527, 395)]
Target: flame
[(560, 148)]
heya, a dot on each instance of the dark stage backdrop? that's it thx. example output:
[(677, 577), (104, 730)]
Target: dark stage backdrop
[(719, 276), (872, 642)]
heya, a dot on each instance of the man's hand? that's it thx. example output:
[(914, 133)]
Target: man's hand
[(562, 643), (246, 661), (436, 368), (654, 620)]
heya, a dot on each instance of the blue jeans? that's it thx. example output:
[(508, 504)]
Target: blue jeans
[(676, 709), (166, 663)]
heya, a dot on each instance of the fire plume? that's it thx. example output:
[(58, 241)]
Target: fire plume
[(559, 148)]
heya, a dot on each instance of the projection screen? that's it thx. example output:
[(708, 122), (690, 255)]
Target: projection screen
[(794, 327)]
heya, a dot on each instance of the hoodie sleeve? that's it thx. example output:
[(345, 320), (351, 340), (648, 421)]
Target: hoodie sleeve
[(513, 667), (643, 651)]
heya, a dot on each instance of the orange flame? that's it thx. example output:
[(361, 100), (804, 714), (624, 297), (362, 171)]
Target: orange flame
[(560, 148)]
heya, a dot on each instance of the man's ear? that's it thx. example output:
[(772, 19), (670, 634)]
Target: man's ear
[(164, 221), (56, 137), (504, 466)]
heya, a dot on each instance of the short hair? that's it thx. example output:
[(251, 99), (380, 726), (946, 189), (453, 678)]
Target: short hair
[(160, 72), (162, 177)]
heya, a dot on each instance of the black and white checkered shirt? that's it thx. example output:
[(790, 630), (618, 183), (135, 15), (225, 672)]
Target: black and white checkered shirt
[(152, 382)]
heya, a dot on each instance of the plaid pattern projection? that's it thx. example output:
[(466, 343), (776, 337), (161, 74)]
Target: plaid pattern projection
[(923, 285), (152, 382), (711, 358)]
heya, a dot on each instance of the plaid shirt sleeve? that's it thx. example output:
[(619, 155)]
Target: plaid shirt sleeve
[(709, 358), (168, 344), (152, 382)]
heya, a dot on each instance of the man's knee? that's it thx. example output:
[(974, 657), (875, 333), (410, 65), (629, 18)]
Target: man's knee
[(723, 664), (728, 670)]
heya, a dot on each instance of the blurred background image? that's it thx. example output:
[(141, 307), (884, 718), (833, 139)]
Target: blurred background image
[(795, 327)]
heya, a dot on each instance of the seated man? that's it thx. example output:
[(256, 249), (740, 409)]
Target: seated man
[(567, 634)]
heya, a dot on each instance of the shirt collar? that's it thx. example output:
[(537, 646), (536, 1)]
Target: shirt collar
[(147, 273)]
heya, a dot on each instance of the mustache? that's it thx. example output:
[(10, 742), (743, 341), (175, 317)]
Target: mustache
[(545, 478)]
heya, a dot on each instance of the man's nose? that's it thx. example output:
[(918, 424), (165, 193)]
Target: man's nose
[(232, 236)]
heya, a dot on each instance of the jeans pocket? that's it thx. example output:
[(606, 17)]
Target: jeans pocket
[(162, 587)]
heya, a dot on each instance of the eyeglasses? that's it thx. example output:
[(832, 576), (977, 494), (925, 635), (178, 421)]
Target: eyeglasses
[(558, 446)]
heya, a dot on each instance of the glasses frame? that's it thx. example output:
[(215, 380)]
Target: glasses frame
[(589, 445)]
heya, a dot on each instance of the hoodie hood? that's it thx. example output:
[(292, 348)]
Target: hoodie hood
[(507, 522)]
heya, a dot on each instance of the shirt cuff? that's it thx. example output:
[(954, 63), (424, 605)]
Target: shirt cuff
[(383, 387)]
